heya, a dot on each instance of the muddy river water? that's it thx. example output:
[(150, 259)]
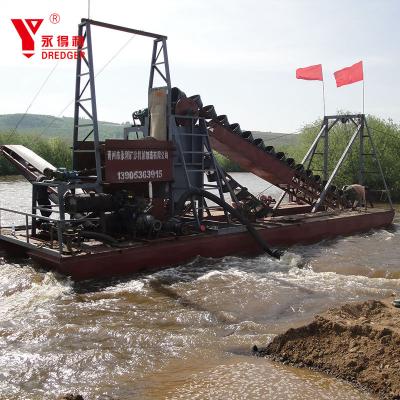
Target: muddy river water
[(184, 332)]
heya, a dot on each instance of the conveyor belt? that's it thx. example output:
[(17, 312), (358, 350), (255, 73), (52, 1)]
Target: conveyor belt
[(28, 163), (252, 155)]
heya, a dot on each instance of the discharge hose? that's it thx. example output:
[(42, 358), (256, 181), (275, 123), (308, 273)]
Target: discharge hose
[(253, 232)]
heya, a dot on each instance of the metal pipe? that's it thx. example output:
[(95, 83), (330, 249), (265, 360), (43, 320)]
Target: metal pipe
[(168, 82), (150, 191), (45, 218), (34, 199), (76, 105), (314, 144), (27, 228), (122, 28), (347, 116), (28, 214), (326, 153), (361, 157), (278, 203), (94, 105), (310, 150), (59, 237)]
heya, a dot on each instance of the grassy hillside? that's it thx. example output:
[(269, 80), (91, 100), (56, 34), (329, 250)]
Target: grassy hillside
[(278, 140), (51, 137), (49, 126)]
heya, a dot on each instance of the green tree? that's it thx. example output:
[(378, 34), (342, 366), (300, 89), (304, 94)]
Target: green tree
[(55, 150), (226, 164)]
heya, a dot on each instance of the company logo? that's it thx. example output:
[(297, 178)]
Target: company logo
[(27, 29), (53, 47)]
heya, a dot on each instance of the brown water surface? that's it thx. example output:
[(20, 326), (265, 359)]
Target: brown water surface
[(185, 332)]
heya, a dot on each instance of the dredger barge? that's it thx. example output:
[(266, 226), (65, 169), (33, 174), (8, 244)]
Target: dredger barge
[(158, 197)]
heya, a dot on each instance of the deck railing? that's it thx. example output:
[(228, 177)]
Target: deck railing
[(31, 220)]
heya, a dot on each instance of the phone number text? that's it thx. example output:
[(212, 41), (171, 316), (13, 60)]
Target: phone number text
[(141, 174)]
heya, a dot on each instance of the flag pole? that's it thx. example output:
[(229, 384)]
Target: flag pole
[(363, 95), (323, 95)]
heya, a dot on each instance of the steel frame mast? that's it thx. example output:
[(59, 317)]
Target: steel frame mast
[(361, 132), (85, 91)]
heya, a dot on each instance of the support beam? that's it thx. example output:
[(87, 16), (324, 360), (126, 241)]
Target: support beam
[(78, 95), (312, 148), (309, 153), (326, 152), (379, 165), (84, 21), (361, 158), (335, 171), (93, 104)]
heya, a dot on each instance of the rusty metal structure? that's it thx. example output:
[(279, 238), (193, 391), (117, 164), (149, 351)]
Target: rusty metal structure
[(157, 196)]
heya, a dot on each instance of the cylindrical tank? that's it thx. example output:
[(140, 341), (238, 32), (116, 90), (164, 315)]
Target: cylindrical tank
[(94, 202), (158, 113)]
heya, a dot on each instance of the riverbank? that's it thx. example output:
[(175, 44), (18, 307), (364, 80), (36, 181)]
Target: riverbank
[(358, 342)]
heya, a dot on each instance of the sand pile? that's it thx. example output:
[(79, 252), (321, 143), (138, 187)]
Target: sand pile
[(359, 342)]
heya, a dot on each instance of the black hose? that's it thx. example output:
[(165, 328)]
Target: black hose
[(43, 198), (103, 237), (253, 232)]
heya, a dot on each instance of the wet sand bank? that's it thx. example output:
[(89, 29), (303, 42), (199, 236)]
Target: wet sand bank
[(358, 342)]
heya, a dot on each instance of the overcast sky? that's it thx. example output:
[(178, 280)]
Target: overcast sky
[(240, 55)]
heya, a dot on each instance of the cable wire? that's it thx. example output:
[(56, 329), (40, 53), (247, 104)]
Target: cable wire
[(114, 56), (269, 139), (14, 130), (96, 75)]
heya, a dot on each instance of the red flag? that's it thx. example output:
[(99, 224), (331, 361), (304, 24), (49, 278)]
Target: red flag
[(312, 73), (349, 75)]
